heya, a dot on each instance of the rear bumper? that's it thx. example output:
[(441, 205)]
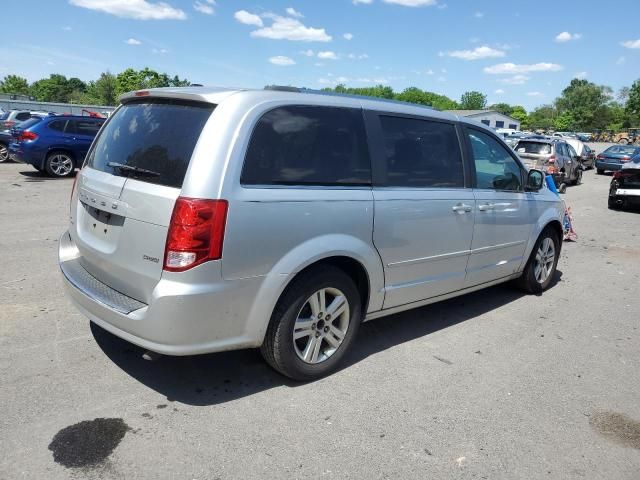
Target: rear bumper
[(604, 165), (180, 319)]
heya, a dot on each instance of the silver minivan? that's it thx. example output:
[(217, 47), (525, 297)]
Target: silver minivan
[(206, 220)]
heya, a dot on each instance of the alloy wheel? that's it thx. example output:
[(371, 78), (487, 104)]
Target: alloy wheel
[(4, 153), (545, 258), (61, 165), (321, 325)]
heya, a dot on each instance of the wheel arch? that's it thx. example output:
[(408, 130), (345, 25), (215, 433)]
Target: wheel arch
[(61, 149), (356, 258)]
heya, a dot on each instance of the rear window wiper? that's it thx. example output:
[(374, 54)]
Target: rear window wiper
[(132, 169)]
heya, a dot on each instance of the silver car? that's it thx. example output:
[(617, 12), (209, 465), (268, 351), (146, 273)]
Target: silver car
[(211, 219)]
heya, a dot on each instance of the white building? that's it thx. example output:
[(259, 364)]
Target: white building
[(489, 117)]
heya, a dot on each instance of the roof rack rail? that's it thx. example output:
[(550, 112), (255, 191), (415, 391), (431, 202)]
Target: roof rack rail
[(284, 88)]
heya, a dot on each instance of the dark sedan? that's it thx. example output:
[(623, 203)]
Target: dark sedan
[(613, 158), (624, 190)]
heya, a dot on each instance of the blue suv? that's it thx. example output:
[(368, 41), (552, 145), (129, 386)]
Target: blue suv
[(56, 144)]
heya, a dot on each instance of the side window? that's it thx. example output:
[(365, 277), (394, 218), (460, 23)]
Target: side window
[(57, 125), (308, 145), (496, 169), (561, 149), (571, 151), (421, 153), (85, 127), (499, 124), (22, 116)]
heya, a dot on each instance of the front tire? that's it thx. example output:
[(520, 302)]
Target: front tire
[(541, 267), (578, 179), (59, 164), (600, 171), (313, 324)]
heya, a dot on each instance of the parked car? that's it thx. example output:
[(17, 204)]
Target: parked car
[(210, 219), (56, 144), (614, 157), (5, 139), (624, 190), (587, 157), (10, 119), (513, 138), (554, 156)]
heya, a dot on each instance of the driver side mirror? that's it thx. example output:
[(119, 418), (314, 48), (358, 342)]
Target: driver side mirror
[(535, 180)]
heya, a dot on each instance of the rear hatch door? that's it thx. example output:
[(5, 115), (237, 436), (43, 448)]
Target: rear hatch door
[(533, 154), (127, 190)]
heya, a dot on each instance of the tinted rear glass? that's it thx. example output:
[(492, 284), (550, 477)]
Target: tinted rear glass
[(155, 135), (4, 116), (29, 123), (533, 147), (421, 153), (57, 125), (621, 150), (304, 145), (84, 127)]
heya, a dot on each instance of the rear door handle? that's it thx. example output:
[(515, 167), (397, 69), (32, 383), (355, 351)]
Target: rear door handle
[(486, 207), (462, 207)]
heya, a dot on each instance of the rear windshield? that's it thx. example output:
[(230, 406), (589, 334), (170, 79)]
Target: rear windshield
[(150, 140), (622, 150), (4, 116), (533, 147), (29, 123)]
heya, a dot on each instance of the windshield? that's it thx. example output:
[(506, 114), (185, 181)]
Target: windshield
[(156, 135), (538, 148)]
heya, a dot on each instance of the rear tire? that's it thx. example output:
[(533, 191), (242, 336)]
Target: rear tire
[(296, 314), (59, 164), (541, 267), (4, 153), (600, 171)]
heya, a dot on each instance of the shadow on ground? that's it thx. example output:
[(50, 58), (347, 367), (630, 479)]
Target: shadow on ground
[(36, 176), (221, 377)]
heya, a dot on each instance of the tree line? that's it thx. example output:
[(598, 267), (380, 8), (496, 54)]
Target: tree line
[(103, 91), (582, 105)]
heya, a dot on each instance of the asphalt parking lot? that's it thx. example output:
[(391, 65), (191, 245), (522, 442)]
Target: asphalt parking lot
[(495, 384)]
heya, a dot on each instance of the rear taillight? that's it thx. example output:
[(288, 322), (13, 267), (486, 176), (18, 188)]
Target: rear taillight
[(27, 136), (552, 159), (625, 158), (8, 124), (600, 157), (196, 233), (619, 174), (551, 169)]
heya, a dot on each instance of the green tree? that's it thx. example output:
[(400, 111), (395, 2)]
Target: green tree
[(53, 89), (519, 113), (632, 108), (14, 84), (104, 90), (583, 100), (542, 117), (564, 122), (473, 100), (131, 79), (422, 97), (503, 108)]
